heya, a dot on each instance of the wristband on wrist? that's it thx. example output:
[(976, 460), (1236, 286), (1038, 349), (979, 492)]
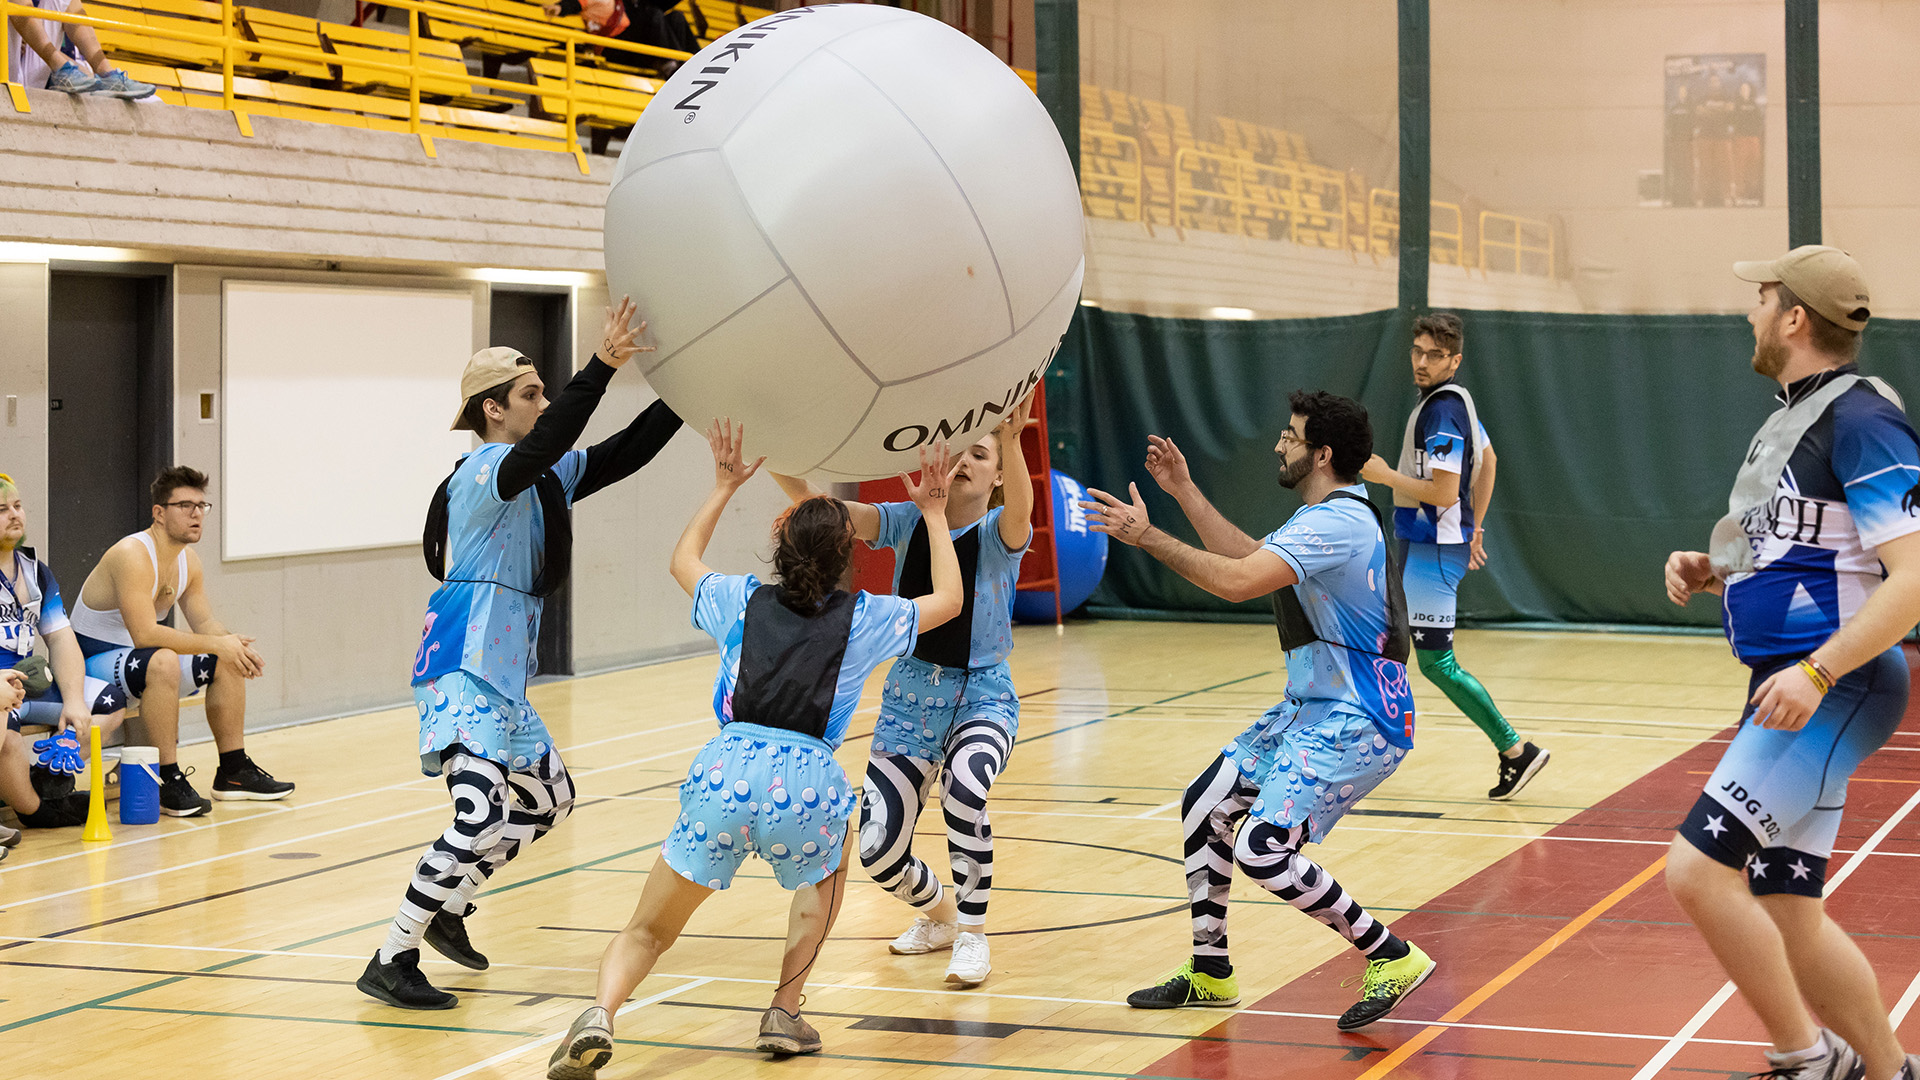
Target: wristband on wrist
[(1817, 674)]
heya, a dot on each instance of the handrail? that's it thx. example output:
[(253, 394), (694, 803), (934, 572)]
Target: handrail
[(228, 40), (1238, 197), (1519, 245), (1458, 235), (1137, 181)]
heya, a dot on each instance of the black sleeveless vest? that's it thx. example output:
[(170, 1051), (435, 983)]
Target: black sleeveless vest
[(1290, 618), (951, 643), (552, 571), (789, 663)]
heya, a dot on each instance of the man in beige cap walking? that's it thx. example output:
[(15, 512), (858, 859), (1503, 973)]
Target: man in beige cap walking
[(1818, 566), (499, 539)]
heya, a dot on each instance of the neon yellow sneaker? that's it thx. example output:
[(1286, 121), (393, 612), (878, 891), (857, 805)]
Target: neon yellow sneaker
[(1187, 987), (1385, 985)]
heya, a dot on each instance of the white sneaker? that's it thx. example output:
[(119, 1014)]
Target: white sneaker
[(970, 965), (924, 936)]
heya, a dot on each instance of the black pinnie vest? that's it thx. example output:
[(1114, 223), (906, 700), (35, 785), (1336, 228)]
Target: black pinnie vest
[(1290, 618), (549, 575), (790, 663), (951, 643)]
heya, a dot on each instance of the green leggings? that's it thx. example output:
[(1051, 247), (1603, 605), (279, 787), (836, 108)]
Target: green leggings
[(1466, 693)]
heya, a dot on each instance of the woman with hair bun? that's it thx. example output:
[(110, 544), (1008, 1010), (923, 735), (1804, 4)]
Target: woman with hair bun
[(793, 659)]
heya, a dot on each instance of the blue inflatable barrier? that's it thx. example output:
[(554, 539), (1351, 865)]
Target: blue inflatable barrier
[(1083, 555)]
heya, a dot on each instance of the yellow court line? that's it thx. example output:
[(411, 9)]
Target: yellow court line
[(1519, 967)]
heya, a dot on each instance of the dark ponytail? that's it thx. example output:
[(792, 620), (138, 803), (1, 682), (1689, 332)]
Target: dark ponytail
[(812, 547)]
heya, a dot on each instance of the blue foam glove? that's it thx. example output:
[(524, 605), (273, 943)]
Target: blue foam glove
[(62, 754)]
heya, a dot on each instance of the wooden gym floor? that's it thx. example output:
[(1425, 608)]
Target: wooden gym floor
[(227, 946)]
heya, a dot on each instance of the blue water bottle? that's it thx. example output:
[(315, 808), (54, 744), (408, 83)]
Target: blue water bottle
[(139, 785)]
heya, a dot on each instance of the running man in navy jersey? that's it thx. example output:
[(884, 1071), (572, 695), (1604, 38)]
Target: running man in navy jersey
[(1818, 565), (1440, 494)]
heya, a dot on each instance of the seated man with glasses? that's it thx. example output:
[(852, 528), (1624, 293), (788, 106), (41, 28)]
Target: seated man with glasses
[(119, 622)]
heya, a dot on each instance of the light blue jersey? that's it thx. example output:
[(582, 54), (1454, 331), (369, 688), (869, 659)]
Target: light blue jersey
[(883, 627), (482, 619), (993, 582), (1336, 548)]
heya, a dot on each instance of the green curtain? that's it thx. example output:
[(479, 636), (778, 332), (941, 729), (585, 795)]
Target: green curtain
[(1618, 438)]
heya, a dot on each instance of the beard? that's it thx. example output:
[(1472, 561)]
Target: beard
[(1292, 472), (1769, 356)]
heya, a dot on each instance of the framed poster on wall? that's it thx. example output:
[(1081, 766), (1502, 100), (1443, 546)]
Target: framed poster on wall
[(1716, 122)]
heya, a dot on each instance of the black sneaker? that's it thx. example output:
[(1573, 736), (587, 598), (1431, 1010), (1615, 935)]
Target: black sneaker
[(1517, 770), (401, 984), (58, 813), (249, 781), (178, 799), (49, 784), (447, 933)]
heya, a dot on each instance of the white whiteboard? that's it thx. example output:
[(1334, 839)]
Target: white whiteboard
[(336, 401)]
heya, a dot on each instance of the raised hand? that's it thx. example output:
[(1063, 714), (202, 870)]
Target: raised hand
[(1167, 465), (730, 469), (617, 337), (936, 479), (1015, 420), (1124, 522)]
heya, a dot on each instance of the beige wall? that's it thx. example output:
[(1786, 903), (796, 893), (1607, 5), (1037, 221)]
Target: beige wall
[(23, 375), (1870, 143)]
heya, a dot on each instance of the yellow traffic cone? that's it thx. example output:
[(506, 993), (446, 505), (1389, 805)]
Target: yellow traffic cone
[(97, 828)]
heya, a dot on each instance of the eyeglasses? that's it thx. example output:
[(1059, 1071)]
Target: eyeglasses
[(1290, 437), (1432, 356), (190, 507)]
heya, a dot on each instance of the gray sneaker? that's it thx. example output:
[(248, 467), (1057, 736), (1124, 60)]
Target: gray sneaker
[(72, 79), (116, 84), (782, 1032), (586, 1049), (1840, 1062)]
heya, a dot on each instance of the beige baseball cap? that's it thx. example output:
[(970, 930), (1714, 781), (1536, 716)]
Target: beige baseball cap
[(1825, 278), (488, 369)]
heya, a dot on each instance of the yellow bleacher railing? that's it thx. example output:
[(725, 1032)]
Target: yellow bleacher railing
[(1523, 237), (1446, 232), (1111, 179), (1308, 201), (1383, 221), (229, 40)]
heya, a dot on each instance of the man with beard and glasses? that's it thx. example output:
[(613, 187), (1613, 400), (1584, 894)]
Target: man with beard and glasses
[(1440, 494), (120, 622), (1345, 724), (1817, 563)]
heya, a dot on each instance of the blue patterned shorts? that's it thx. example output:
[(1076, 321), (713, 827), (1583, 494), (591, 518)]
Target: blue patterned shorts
[(922, 703), (778, 794), (459, 708), (1311, 773)]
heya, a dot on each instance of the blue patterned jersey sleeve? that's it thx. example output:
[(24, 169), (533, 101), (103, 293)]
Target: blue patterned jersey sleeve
[(883, 627), (1445, 421), (53, 610), (897, 520), (570, 468), (1321, 537), (1876, 458), (719, 602)]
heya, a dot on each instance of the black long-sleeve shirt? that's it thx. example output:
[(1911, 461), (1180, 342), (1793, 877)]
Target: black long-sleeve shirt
[(608, 461)]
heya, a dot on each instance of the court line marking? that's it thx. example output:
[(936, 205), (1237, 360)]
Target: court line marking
[(1158, 809), (1720, 997), (695, 980), (1899, 1014), (224, 820), (544, 1040), (1519, 967), (435, 808)]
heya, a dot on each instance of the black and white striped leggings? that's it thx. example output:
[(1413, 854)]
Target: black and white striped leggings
[(1212, 807), (496, 814), (896, 789)]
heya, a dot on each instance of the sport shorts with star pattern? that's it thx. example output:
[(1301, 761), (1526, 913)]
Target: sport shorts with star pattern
[(1772, 807)]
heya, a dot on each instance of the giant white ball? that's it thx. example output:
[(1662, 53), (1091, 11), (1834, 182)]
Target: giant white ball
[(851, 228)]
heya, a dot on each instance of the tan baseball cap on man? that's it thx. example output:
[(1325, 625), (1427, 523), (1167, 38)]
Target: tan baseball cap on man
[(488, 369), (1826, 279)]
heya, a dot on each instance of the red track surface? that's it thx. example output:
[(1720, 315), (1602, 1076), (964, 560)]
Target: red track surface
[(1636, 968)]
